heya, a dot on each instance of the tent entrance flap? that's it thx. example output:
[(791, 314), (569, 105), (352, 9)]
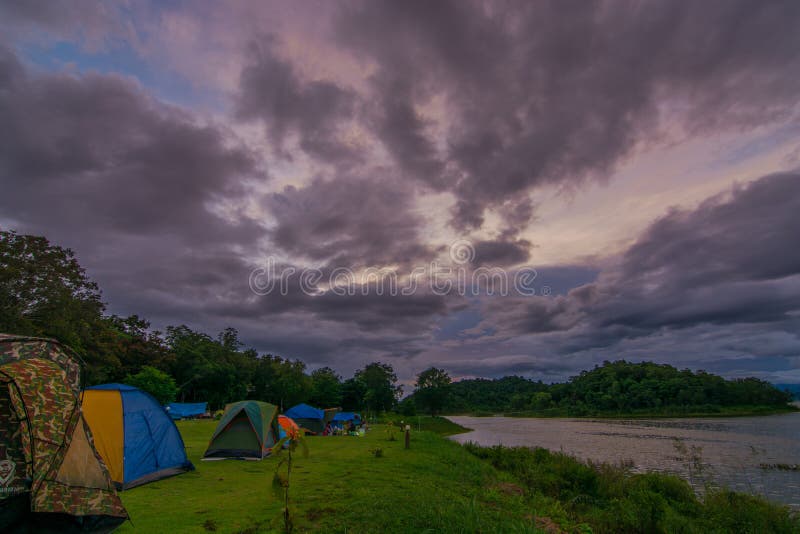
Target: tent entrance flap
[(238, 435), (103, 412), (14, 502), (247, 429)]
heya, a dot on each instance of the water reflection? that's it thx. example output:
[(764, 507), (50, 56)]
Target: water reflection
[(732, 448)]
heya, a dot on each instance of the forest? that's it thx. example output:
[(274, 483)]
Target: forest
[(45, 292), (612, 388)]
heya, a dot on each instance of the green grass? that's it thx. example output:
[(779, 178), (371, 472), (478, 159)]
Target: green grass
[(436, 486), (612, 499), (428, 423)]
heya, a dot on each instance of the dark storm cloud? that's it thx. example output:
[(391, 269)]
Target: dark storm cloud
[(501, 253), (139, 189), (271, 90), (96, 154), (725, 240), (518, 365), (560, 92), (403, 132), (488, 101), (348, 222), (727, 262)]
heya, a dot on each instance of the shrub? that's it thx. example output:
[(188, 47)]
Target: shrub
[(611, 498), (157, 383), (729, 511)]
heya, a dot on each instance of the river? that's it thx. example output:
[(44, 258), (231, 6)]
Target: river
[(732, 448)]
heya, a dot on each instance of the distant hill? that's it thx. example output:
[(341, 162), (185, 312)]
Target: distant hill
[(619, 388), (794, 389)]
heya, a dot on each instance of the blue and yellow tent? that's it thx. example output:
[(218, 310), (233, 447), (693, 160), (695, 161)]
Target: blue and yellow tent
[(137, 440)]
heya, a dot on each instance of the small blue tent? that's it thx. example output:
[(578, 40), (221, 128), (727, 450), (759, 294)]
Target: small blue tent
[(343, 417), (179, 410), (307, 417), (137, 440)]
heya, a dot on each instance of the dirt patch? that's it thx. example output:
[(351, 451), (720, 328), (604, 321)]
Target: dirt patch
[(253, 529), (548, 525), (210, 525), (509, 488), (313, 514)]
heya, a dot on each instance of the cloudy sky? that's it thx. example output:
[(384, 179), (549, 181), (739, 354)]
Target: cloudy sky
[(630, 168)]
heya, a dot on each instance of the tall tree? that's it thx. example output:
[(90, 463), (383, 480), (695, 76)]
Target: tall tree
[(433, 388), (326, 388), (380, 385), (280, 381), (206, 369), (353, 393), (45, 292), (134, 346)]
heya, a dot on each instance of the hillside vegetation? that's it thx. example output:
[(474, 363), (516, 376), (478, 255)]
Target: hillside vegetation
[(618, 388)]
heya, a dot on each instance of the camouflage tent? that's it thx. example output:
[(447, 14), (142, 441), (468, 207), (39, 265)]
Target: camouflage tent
[(51, 477)]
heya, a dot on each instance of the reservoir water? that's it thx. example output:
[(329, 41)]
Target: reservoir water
[(732, 449)]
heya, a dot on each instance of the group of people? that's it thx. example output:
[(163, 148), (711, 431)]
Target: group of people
[(348, 428)]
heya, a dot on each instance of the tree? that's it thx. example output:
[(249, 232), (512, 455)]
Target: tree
[(433, 388), (291, 383), (407, 407), (541, 400), (280, 381), (380, 386), (326, 388), (157, 383), (45, 292), (353, 392), (133, 346), (207, 369)]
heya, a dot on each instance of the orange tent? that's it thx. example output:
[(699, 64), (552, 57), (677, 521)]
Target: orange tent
[(289, 426)]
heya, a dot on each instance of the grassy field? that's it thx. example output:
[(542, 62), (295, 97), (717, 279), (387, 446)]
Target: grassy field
[(436, 486), (439, 425)]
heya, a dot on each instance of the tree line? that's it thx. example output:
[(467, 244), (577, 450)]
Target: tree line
[(45, 292), (618, 387)]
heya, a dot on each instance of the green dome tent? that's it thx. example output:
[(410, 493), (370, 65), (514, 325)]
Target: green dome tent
[(51, 476), (248, 430)]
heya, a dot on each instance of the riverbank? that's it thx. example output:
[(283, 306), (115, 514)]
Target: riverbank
[(716, 411), (723, 411), (437, 485)]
